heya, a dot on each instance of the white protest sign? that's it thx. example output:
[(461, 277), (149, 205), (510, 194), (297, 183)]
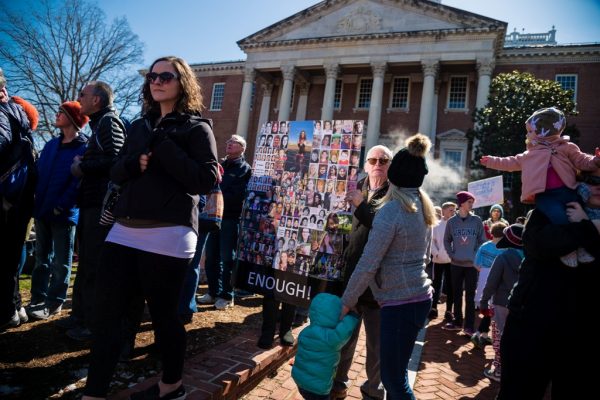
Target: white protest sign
[(487, 191)]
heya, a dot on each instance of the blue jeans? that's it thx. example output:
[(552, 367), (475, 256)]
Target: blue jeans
[(400, 326), (553, 203), (187, 301), (220, 256), (53, 252)]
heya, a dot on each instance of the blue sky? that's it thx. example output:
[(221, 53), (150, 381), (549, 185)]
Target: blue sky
[(205, 31)]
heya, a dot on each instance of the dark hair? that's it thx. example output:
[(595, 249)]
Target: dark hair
[(104, 91), (190, 98)]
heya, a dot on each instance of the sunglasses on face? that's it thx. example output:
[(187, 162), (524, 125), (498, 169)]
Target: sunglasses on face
[(382, 161), (163, 77)]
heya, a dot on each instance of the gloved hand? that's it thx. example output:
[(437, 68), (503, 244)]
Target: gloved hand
[(57, 211), (76, 167)]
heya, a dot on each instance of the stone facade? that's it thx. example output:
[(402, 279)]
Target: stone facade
[(422, 47)]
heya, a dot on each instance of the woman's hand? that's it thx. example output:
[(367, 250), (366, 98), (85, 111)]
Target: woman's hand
[(144, 160), (484, 160), (344, 311), (575, 212)]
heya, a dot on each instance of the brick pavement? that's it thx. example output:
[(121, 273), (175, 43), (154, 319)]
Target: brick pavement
[(445, 365), (450, 367)]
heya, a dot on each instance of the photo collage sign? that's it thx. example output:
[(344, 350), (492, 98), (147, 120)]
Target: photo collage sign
[(296, 215)]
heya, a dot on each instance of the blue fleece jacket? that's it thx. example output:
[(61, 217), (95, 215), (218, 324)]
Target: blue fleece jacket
[(56, 190), (320, 344)]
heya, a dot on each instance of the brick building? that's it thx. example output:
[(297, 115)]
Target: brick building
[(400, 65)]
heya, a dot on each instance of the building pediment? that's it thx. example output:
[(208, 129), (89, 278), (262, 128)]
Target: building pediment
[(369, 18), (453, 135)]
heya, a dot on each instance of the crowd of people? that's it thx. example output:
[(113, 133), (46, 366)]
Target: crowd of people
[(402, 253)]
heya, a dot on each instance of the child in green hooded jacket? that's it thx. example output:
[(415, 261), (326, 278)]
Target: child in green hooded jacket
[(319, 346)]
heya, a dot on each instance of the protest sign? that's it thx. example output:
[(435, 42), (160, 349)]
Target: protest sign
[(487, 191), (296, 214)]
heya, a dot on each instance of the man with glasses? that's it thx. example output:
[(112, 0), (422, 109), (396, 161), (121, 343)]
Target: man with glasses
[(369, 189), (221, 245), (108, 136)]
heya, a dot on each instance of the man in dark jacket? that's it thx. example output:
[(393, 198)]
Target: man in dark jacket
[(16, 207), (108, 136), (369, 190), (221, 245)]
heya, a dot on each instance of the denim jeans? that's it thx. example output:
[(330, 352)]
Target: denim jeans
[(54, 252), (187, 301), (553, 203), (400, 326), (220, 256)]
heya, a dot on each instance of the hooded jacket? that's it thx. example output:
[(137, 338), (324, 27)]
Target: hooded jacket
[(564, 156), (320, 344)]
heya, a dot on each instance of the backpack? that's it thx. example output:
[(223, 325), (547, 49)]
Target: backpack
[(17, 165)]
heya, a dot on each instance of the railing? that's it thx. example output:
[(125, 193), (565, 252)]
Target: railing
[(522, 39)]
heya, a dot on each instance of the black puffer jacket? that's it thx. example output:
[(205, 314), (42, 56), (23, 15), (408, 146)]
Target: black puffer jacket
[(108, 136), (183, 165), (362, 222)]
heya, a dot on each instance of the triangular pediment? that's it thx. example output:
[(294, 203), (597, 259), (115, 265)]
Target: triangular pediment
[(364, 18), (453, 135)]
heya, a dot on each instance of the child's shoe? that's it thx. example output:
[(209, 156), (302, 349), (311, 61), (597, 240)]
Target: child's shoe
[(492, 373), (584, 257), (570, 260), (476, 339), (484, 339)]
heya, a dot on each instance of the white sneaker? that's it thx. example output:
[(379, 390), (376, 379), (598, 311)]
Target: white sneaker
[(222, 304), (583, 256), (206, 299), (570, 260), (22, 315)]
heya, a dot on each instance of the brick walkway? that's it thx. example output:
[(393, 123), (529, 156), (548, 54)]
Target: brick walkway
[(450, 367), (445, 365)]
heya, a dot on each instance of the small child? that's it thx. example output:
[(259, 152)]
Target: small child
[(484, 259), (549, 166), (503, 276), (319, 346)]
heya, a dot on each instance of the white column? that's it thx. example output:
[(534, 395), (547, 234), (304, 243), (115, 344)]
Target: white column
[(285, 103), (430, 68), (331, 71), (267, 88), (244, 116), (374, 121), (302, 90), (485, 67)]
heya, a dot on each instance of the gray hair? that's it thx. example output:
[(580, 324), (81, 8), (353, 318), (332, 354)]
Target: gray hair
[(240, 140), (104, 91), (383, 148)]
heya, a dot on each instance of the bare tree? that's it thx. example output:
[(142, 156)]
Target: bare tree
[(51, 51)]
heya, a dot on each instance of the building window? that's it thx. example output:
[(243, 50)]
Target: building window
[(292, 96), (252, 94), (568, 82), (399, 95), (452, 158), (337, 98), (363, 97), (216, 101), (457, 93)]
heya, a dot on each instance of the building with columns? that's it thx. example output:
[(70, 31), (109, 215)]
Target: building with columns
[(402, 66)]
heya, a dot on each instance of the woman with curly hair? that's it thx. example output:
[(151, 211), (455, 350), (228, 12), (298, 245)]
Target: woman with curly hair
[(168, 160)]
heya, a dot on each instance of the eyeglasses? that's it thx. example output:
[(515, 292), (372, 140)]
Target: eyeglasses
[(382, 161), (163, 77)]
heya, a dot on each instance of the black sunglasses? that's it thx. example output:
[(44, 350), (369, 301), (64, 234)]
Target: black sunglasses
[(382, 161), (163, 77)]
